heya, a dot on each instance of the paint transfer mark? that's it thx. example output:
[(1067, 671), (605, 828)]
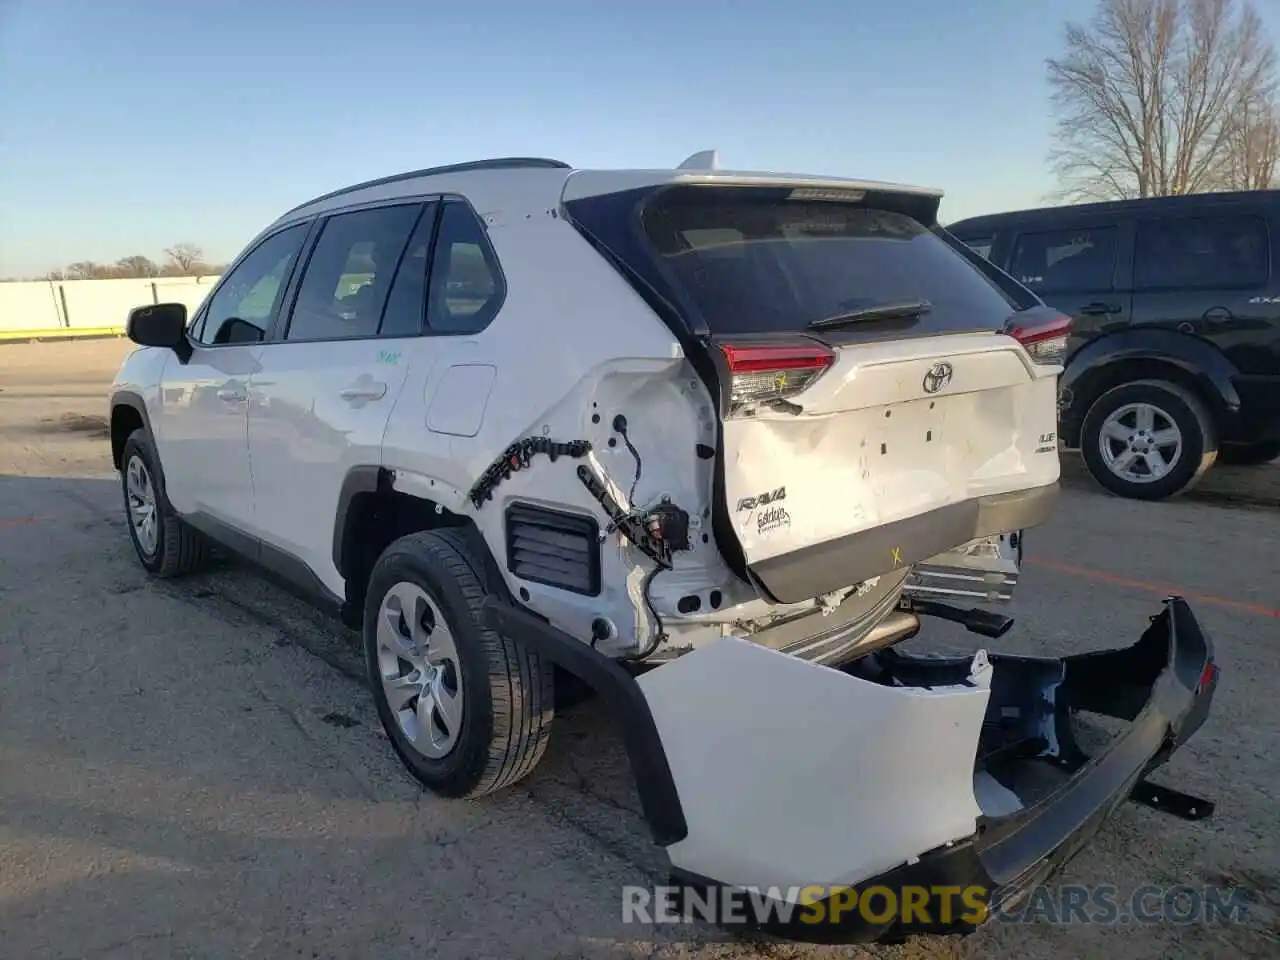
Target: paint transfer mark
[(21, 521), (1163, 589)]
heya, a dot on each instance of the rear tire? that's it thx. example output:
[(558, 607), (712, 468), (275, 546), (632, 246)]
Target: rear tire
[(467, 710), (165, 545), (1148, 440), (1249, 454)]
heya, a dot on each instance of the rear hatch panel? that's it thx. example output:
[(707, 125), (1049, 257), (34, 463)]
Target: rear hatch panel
[(872, 449), (903, 425)]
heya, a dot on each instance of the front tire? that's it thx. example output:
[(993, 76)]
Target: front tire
[(1148, 440), (468, 711), (165, 545)]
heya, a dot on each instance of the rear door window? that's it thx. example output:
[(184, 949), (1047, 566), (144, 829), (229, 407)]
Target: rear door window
[(349, 273), (766, 263), (406, 309), (1201, 252), (1063, 261)]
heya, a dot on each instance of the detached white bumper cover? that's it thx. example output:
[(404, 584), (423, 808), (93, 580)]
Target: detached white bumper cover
[(792, 774), (757, 770)]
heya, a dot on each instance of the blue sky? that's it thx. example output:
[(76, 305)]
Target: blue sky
[(139, 124)]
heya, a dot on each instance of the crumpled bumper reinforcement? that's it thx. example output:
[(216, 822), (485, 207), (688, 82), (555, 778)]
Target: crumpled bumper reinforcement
[(760, 772)]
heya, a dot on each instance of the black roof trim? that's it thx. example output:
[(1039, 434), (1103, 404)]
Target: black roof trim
[(498, 163), (1180, 201)]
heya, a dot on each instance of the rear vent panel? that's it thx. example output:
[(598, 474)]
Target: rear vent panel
[(552, 547)]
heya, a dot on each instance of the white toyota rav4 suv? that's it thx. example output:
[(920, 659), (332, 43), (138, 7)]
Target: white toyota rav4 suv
[(711, 441)]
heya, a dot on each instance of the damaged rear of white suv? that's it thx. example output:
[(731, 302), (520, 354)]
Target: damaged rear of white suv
[(713, 442)]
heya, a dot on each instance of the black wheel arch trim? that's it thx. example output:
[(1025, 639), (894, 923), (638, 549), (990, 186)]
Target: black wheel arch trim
[(366, 478), (1200, 361), (655, 783), (133, 400)]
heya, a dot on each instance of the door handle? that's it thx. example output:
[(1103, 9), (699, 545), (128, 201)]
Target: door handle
[(366, 391), (1099, 309), (231, 394)]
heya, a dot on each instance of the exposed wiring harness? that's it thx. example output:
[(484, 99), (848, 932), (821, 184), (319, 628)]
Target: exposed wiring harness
[(620, 425), (660, 631), (657, 533)]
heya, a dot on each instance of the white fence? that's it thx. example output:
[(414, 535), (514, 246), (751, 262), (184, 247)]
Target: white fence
[(81, 304)]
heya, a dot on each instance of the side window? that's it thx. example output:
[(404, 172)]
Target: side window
[(981, 246), (467, 288), (406, 308), (1064, 261), (348, 275), (1230, 251), (241, 309)]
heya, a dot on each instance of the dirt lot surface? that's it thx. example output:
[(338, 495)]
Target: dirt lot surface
[(195, 768)]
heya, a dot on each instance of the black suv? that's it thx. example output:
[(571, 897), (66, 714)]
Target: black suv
[(1174, 356)]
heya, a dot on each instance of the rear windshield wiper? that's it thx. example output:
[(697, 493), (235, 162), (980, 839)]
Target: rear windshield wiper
[(902, 310)]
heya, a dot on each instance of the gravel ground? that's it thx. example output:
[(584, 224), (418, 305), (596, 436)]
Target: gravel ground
[(195, 769)]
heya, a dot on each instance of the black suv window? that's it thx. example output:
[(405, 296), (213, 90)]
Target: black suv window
[(349, 273), (467, 287), (762, 261), (1226, 251), (981, 246), (1063, 261), (248, 297)]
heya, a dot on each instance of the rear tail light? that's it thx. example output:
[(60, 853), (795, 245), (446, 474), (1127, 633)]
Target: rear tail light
[(1207, 676), (764, 375), (1044, 339)]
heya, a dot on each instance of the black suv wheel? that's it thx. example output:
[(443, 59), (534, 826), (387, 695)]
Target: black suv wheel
[(1148, 440)]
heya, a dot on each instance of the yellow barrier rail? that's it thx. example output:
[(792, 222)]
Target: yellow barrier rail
[(58, 333)]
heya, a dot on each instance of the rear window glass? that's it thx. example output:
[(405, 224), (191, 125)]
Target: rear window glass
[(753, 264), (1066, 261), (1223, 252)]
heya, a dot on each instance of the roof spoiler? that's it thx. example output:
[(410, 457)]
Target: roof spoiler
[(702, 160)]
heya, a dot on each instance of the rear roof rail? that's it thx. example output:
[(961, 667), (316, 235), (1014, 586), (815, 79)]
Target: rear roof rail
[(497, 163)]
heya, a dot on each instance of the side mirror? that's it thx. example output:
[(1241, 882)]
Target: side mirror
[(160, 325), (235, 330)]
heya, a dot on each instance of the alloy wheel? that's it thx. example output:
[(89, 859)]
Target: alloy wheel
[(420, 670), (141, 497), (1140, 443)]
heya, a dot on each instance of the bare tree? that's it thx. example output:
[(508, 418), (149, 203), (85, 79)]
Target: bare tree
[(1253, 154), (136, 266), (86, 270), (1153, 96), (187, 258)]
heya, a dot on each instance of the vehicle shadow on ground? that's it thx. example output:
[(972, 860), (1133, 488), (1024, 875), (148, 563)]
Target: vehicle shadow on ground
[(195, 768), (206, 772)]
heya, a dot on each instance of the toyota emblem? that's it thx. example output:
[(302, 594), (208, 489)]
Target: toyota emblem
[(939, 376)]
